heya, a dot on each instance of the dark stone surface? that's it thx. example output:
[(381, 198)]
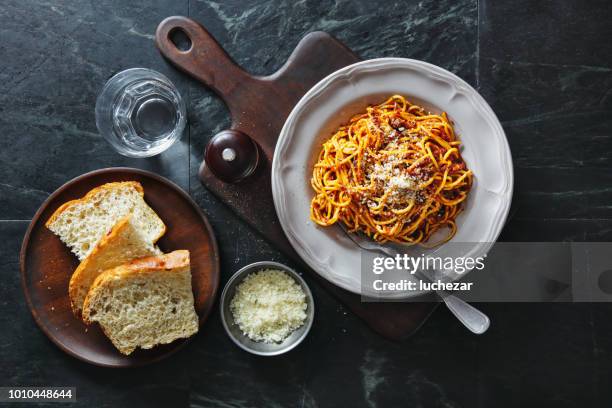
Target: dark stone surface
[(544, 66)]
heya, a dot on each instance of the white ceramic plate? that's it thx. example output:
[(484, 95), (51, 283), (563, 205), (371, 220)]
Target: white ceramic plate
[(331, 103)]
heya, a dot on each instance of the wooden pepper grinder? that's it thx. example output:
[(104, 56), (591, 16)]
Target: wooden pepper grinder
[(231, 156)]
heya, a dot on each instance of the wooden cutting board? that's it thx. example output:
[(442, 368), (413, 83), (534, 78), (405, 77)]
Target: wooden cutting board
[(259, 107)]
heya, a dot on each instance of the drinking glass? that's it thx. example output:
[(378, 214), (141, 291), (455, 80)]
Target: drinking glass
[(140, 112)]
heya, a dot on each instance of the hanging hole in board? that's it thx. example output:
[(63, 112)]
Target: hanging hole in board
[(180, 39)]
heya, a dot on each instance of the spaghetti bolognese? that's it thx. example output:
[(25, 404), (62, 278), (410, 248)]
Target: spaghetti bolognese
[(394, 173)]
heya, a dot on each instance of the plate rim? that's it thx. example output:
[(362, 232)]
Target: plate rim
[(422, 67), (36, 218)]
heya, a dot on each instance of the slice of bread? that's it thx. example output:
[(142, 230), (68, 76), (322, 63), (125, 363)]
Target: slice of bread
[(123, 243), (81, 223), (145, 302)]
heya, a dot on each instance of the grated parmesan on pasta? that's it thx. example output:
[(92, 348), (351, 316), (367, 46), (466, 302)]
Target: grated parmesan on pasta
[(268, 306)]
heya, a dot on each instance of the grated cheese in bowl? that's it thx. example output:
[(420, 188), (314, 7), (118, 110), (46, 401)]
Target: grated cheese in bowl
[(268, 306)]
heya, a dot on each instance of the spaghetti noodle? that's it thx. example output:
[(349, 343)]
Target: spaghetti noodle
[(394, 173)]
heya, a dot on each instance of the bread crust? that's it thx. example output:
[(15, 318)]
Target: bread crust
[(173, 261)]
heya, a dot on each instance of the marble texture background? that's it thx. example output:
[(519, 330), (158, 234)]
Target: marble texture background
[(544, 66)]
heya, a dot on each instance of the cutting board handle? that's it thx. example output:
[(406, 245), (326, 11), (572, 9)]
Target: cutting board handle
[(204, 59)]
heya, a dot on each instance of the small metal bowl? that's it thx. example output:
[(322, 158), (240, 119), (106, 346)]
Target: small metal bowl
[(259, 347)]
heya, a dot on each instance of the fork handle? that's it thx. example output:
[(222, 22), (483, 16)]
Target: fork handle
[(476, 321)]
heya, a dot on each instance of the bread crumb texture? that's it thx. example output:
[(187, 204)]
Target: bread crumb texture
[(82, 223), (268, 306)]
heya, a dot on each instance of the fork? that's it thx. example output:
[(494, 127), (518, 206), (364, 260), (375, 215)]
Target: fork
[(473, 319)]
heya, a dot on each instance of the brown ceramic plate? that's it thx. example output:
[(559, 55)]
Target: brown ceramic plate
[(47, 264)]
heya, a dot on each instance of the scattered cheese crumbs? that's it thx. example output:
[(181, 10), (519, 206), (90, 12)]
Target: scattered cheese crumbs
[(402, 182), (402, 187), (268, 306)]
